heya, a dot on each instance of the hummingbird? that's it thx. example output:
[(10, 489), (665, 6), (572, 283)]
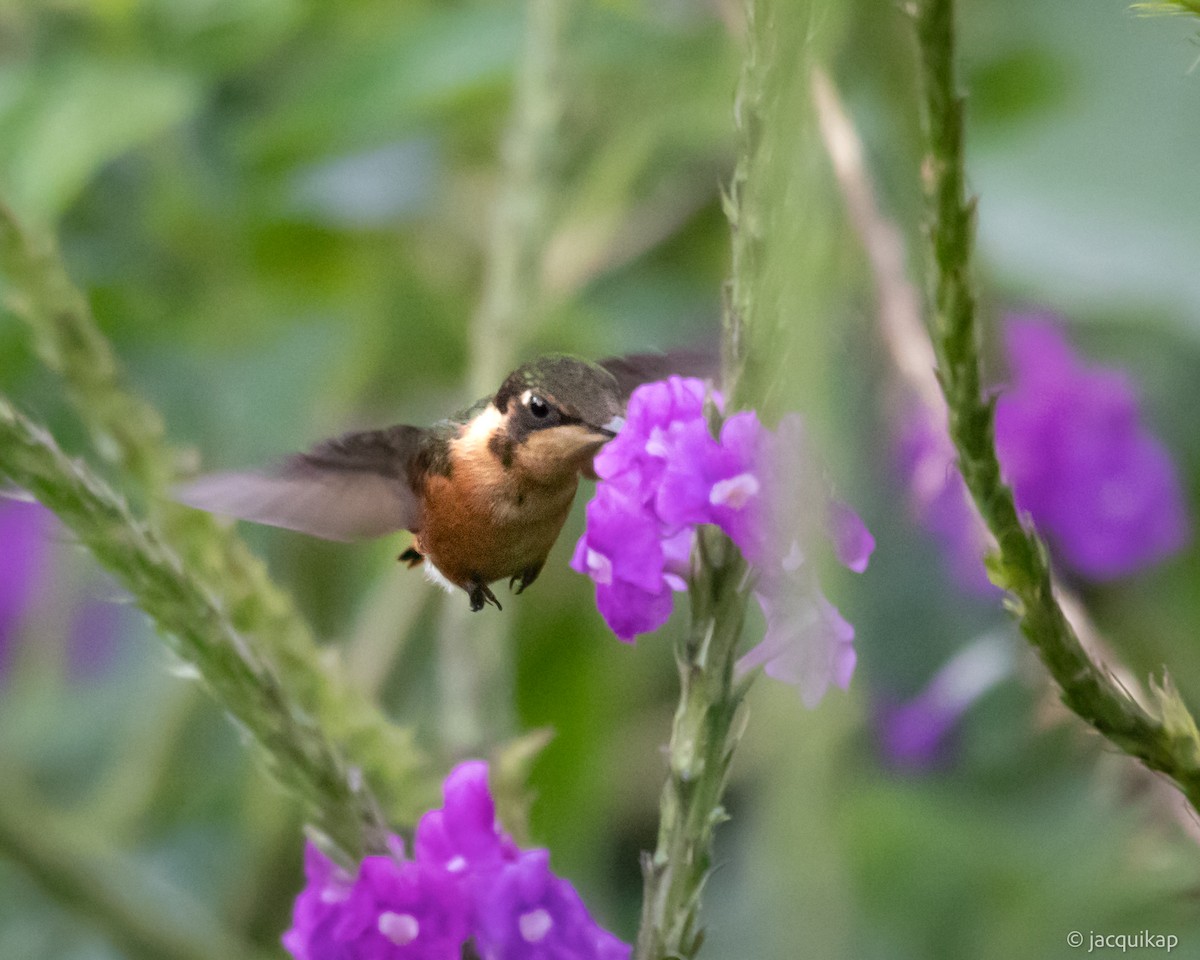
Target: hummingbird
[(485, 492)]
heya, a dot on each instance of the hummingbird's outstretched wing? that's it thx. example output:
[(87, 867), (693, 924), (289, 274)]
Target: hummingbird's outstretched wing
[(352, 487), (637, 368)]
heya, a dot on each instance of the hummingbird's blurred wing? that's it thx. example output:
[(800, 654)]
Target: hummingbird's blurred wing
[(637, 368), (349, 488)]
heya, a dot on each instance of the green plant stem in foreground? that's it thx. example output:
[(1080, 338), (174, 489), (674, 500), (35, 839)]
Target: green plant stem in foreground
[(127, 432), (703, 738), (297, 750), (1169, 742)]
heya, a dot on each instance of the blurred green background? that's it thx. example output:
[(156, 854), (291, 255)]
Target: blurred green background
[(280, 213)]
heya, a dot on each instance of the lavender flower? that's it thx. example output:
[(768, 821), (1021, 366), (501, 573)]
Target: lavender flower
[(913, 734), (402, 910), (23, 556), (666, 473), (1070, 439), (468, 880), (462, 837), (318, 909), (533, 915), (1099, 486)]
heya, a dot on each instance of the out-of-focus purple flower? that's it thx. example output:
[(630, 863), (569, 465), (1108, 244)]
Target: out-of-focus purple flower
[(665, 474), (468, 880), (463, 836), (1099, 486), (23, 557), (808, 642), (914, 734), (1097, 483), (531, 914), (939, 498)]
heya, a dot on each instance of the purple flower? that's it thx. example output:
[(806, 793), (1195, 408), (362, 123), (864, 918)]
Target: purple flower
[(665, 474), (23, 557), (914, 734), (463, 836), (317, 910), (808, 642), (402, 910), (1097, 483), (468, 880), (531, 914)]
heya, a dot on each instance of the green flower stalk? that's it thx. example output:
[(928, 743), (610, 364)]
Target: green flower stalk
[(1165, 738), (128, 432), (703, 738), (245, 681)]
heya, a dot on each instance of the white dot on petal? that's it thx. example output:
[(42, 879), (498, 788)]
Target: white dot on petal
[(456, 864), (534, 925), (400, 928), (734, 492), (600, 567)]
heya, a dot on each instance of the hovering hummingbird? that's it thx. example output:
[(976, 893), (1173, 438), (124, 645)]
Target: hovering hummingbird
[(485, 492)]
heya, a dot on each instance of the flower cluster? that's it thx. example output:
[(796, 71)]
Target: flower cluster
[(665, 474), (1072, 444), (467, 881), (1099, 486)]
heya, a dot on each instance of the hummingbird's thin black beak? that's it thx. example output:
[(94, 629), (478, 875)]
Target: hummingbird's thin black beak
[(612, 428)]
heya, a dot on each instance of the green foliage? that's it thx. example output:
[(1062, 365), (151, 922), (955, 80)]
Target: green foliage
[(278, 214)]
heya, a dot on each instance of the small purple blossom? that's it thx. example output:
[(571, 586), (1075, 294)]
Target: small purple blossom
[(463, 836), (1070, 439), (23, 557), (533, 915), (402, 910), (468, 881), (914, 734), (665, 474), (318, 909), (1072, 443), (808, 643)]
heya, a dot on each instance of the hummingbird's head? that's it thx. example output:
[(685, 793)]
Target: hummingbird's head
[(557, 411)]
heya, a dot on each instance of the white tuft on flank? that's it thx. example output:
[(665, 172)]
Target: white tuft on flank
[(436, 577)]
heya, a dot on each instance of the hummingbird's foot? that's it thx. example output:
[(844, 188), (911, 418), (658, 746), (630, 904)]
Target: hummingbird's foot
[(480, 594), (411, 556), (526, 576)]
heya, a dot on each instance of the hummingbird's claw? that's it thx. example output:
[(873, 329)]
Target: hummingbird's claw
[(481, 594), (526, 576)]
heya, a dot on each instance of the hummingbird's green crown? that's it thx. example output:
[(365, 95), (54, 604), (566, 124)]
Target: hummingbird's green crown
[(577, 390)]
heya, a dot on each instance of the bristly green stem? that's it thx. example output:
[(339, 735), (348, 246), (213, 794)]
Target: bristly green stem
[(246, 682), (127, 431), (703, 738), (1168, 742)]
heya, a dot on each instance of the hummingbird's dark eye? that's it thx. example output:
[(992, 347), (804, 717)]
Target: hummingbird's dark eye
[(539, 407)]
